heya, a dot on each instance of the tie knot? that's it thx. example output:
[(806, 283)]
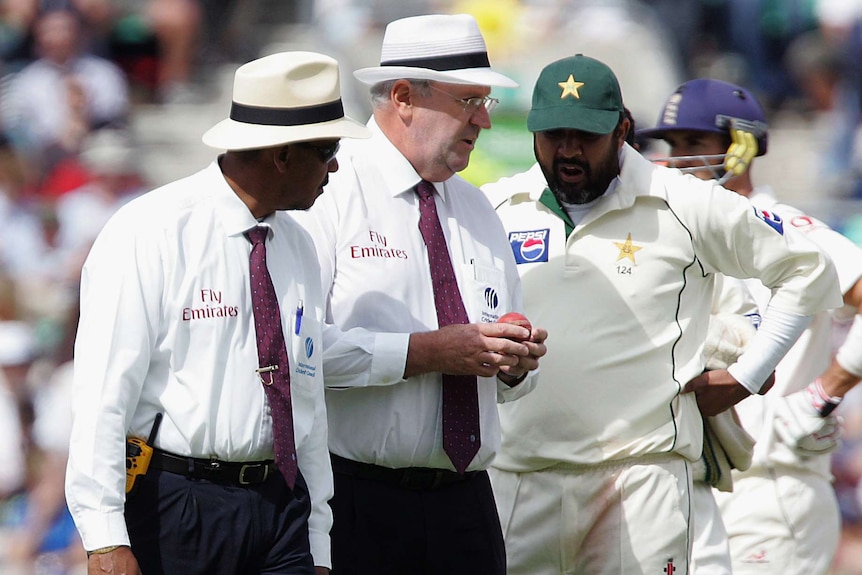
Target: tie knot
[(257, 234), (425, 189)]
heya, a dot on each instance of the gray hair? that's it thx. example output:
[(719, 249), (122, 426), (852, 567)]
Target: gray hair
[(381, 90)]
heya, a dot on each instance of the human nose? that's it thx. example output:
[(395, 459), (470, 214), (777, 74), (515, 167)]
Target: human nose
[(570, 146), (332, 166), (481, 117)]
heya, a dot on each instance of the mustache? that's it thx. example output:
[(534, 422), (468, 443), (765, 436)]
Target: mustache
[(573, 162)]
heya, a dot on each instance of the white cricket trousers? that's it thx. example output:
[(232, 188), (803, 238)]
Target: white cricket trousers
[(617, 518)]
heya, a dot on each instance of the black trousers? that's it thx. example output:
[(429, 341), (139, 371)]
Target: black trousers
[(183, 526), (383, 528)]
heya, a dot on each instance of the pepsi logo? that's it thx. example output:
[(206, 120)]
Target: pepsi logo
[(530, 246), (532, 249), (772, 219)]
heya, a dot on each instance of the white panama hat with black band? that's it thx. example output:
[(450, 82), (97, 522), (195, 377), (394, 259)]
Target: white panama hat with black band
[(440, 47), (284, 98)]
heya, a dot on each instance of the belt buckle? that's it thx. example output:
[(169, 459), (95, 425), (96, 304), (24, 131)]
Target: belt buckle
[(242, 470)]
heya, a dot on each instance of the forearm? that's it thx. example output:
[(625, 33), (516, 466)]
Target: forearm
[(846, 369), (776, 335)]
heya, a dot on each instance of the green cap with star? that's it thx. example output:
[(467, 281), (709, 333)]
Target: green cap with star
[(578, 93)]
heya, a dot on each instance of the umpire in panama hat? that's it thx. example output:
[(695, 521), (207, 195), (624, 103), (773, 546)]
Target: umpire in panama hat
[(199, 437), (419, 272)]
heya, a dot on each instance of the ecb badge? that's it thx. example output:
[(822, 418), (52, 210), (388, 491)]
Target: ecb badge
[(530, 246)]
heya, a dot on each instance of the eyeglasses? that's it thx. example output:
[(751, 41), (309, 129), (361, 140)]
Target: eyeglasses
[(327, 152), (472, 104)]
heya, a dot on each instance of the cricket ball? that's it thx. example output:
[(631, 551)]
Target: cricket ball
[(516, 318)]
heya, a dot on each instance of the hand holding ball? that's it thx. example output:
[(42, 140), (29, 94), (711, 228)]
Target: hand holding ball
[(516, 318)]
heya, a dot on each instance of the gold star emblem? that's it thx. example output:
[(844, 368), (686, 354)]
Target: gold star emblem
[(627, 250), (570, 87)]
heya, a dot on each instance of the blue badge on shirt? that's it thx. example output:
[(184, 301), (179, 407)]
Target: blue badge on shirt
[(755, 319), (530, 246), (771, 218), (492, 300)]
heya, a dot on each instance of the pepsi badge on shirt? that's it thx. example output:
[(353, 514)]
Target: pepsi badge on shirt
[(530, 246), (772, 219)]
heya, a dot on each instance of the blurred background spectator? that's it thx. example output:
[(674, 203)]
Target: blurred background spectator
[(53, 102), (101, 100)]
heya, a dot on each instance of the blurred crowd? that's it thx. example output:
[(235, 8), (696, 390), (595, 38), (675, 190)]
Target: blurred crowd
[(74, 73)]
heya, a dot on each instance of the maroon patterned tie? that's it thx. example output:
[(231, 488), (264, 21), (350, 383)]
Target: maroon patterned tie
[(461, 437), (274, 370)]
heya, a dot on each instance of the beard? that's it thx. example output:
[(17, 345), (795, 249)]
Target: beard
[(594, 181)]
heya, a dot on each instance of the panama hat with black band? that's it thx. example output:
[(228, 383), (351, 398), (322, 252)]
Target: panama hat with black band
[(283, 98), (438, 47)]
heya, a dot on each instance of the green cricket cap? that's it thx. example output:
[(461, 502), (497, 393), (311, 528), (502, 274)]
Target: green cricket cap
[(578, 93)]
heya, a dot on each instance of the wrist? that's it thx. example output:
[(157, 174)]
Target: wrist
[(103, 550), (849, 355), (821, 401), (512, 380)]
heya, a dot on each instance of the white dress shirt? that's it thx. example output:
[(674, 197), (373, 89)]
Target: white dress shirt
[(375, 267), (167, 326)]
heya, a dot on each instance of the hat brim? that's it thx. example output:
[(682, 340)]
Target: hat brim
[(593, 121), (471, 76), (232, 135)]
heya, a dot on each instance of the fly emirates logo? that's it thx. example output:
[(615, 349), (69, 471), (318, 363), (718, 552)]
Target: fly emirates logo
[(378, 248), (209, 306)]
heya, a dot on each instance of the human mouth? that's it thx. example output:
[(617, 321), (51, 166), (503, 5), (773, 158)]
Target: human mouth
[(570, 173)]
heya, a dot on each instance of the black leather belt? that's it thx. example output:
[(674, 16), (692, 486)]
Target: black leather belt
[(226, 472), (414, 478)]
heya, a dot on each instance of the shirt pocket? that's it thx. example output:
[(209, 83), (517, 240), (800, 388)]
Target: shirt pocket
[(487, 295), (306, 351)]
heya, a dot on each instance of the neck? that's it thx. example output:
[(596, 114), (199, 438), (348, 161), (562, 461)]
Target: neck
[(244, 180)]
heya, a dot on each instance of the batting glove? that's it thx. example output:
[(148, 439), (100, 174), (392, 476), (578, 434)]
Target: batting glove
[(741, 151), (805, 424), (727, 338)]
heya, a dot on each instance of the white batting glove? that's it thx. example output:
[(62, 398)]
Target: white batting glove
[(727, 338), (801, 425)]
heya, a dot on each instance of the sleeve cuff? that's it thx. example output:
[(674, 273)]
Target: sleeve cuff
[(389, 358)]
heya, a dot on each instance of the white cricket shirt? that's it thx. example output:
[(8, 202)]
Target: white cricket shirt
[(812, 353), (626, 299)]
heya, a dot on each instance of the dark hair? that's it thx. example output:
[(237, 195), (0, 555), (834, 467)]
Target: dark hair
[(630, 135)]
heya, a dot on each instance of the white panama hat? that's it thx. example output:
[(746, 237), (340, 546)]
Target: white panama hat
[(441, 47), (283, 98)]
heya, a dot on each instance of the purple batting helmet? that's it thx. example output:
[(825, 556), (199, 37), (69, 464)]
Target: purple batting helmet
[(711, 106)]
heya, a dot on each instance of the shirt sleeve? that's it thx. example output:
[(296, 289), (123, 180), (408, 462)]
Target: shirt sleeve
[(360, 358), (746, 242), (316, 467), (118, 325)]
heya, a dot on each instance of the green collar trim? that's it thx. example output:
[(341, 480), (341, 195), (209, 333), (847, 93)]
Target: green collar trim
[(548, 200)]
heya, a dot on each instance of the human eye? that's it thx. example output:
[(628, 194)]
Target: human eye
[(473, 104)]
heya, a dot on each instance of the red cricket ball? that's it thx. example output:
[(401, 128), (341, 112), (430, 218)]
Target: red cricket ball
[(516, 318)]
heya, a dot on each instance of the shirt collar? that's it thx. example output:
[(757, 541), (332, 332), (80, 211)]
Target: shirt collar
[(229, 208)]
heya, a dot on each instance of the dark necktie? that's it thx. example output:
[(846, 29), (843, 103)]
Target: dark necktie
[(461, 438), (273, 370)]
